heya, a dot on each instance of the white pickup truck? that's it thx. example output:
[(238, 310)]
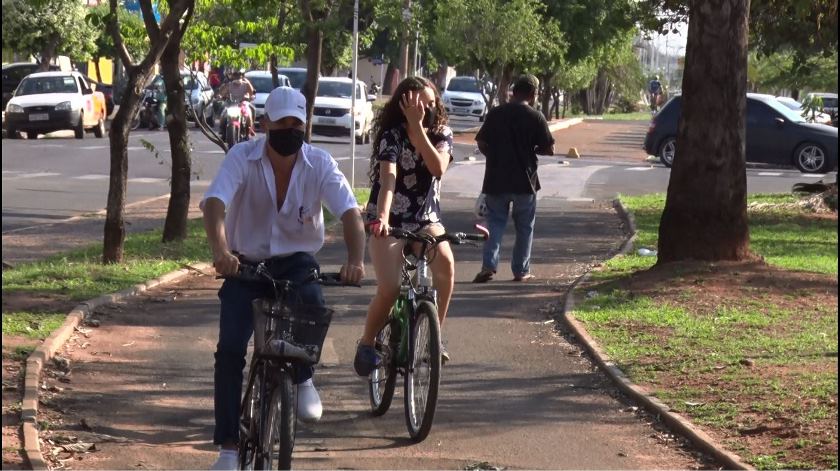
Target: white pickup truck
[(52, 101)]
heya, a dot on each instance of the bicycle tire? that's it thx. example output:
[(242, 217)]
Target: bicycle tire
[(249, 421), (279, 426), (383, 380), (422, 379)]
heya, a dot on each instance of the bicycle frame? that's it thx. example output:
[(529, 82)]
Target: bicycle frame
[(412, 290)]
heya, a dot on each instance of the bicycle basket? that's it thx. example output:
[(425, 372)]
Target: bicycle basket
[(299, 330)]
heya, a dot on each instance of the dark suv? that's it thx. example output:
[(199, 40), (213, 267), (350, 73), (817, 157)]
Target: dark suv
[(775, 135), (14, 73)]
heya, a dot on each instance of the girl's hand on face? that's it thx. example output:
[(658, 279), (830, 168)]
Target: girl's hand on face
[(411, 107)]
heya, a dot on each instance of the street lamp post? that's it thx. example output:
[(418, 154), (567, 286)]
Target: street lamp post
[(353, 95)]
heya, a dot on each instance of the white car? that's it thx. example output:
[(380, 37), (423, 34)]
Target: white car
[(263, 85), (820, 118), (200, 95), (463, 97), (53, 101), (332, 109)]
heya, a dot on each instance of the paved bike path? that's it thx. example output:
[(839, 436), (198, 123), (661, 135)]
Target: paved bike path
[(517, 394)]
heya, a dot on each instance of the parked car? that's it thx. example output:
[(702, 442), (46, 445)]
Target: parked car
[(332, 109), (51, 101), (15, 72), (199, 95), (463, 97), (775, 135), (822, 118), (296, 75), (107, 90), (263, 84)]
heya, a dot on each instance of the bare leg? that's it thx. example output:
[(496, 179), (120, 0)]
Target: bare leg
[(386, 255)]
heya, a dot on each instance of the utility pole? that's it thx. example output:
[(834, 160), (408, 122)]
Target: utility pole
[(406, 15), (353, 96)]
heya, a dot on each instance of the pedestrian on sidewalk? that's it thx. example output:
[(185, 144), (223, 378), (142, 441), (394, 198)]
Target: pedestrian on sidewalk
[(512, 136), (411, 152), (265, 204)]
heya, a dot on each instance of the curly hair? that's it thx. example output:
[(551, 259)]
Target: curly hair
[(391, 116)]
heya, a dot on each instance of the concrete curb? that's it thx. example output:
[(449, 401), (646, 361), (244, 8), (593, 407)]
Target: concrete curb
[(640, 395), (38, 358)]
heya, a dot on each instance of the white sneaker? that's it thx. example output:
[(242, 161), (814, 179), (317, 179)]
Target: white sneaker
[(309, 407), (227, 460)]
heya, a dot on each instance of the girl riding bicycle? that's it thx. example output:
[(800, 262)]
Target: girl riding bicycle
[(411, 152)]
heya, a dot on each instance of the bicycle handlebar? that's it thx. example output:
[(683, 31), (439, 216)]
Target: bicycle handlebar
[(454, 238), (258, 272)]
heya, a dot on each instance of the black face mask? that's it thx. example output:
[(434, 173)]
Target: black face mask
[(429, 117), (285, 141)]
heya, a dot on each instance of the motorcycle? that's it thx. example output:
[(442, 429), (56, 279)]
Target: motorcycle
[(236, 122), (147, 112)]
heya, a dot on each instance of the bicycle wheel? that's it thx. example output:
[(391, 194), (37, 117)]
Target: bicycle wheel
[(249, 422), (279, 426), (383, 379), (423, 376)]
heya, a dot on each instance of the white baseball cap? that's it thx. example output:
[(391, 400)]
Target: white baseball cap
[(283, 102)]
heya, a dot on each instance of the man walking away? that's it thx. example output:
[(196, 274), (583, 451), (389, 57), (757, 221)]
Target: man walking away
[(510, 139)]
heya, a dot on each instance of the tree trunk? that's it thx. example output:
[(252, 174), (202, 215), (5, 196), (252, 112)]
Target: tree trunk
[(275, 77), (545, 83), (388, 85), (47, 54), (315, 43), (565, 102), (705, 215), (175, 227), (795, 94), (114, 236), (98, 71), (504, 83)]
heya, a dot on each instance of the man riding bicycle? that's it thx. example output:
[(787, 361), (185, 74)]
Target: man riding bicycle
[(265, 204), (239, 89), (655, 91)]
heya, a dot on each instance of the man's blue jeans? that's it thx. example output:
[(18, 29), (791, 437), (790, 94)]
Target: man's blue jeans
[(524, 212), (235, 328)]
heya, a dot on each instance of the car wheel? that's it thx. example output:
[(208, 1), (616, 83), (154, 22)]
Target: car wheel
[(79, 130), (481, 118), (810, 158), (31, 135), (12, 133), (667, 151), (99, 130)]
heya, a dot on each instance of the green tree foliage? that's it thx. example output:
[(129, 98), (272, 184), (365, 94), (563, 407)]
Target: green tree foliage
[(782, 72), (48, 28), (131, 27)]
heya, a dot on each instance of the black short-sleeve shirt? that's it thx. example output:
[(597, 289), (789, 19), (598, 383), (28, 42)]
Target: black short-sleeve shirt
[(512, 131), (416, 200)]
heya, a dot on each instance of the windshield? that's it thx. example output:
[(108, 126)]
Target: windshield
[(262, 84), (829, 102), (335, 89), (783, 110), (296, 77), (790, 103), (38, 85), (464, 86)]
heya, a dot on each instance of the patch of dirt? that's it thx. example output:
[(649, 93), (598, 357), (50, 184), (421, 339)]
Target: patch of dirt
[(781, 413), (13, 374), (18, 301)]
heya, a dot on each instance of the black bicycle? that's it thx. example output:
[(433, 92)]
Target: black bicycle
[(409, 343), (286, 335)]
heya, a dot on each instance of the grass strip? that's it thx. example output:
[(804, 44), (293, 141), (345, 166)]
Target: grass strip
[(757, 364)]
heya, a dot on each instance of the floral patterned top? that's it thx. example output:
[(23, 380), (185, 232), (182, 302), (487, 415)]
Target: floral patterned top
[(416, 200)]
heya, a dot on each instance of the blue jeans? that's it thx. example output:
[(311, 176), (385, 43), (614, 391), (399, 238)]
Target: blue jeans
[(235, 328), (524, 215)]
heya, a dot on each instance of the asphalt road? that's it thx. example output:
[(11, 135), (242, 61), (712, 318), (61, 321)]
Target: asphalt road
[(56, 178)]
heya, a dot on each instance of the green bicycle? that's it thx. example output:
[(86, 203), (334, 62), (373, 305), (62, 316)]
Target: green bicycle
[(409, 343)]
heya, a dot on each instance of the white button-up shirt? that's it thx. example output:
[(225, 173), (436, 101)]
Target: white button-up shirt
[(253, 225)]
